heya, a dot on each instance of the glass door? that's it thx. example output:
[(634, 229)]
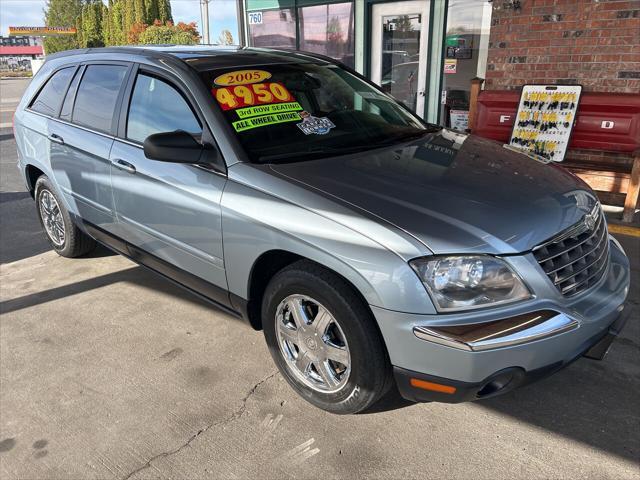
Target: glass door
[(399, 43)]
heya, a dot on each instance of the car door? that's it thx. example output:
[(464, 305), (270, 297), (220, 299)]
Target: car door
[(82, 137), (169, 211)]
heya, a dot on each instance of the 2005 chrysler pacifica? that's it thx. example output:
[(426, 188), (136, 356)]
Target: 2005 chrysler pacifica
[(368, 245)]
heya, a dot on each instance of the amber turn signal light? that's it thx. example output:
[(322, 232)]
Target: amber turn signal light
[(434, 387)]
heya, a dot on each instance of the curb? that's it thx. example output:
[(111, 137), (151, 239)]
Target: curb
[(624, 229)]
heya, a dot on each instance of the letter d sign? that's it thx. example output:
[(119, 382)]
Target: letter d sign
[(607, 124)]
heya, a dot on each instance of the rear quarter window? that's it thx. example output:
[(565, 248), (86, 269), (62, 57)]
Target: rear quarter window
[(97, 94), (50, 97)]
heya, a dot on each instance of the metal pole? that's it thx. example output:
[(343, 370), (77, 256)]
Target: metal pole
[(204, 12), (241, 17)]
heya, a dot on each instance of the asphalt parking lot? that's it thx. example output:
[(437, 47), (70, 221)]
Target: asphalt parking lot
[(107, 371)]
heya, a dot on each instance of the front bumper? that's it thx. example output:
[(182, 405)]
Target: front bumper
[(411, 384), (479, 373)]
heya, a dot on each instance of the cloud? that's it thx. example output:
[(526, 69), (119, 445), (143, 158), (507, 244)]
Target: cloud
[(20, 12)]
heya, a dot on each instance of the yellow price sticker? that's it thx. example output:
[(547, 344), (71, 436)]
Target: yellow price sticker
[(241, 77), (264, 120), (266, 109)]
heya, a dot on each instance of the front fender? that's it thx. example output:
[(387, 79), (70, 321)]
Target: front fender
[(255, 222)]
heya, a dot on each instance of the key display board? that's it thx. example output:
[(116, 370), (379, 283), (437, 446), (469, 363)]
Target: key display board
[(545, 119)]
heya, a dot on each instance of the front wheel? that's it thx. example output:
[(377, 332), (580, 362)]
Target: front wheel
[(324, 339)]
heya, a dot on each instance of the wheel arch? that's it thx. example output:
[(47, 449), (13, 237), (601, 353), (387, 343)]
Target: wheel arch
[(32, 173), (268, 264)]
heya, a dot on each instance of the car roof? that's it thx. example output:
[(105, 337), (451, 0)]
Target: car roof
[(207, 57)]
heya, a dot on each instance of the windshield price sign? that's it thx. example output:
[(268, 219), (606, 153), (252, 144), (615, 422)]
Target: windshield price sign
[(240, 96)]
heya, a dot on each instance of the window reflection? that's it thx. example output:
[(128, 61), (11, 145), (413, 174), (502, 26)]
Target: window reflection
[(277, 29), (466, 42), (323, 29), (401, 57), (328, 30)]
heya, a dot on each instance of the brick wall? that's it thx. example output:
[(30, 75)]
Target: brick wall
[(592, 42), (595, 43)]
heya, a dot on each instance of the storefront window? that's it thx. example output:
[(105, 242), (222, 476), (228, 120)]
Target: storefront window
[(401, 57), (328, 30), (272, 28), (466, 45)]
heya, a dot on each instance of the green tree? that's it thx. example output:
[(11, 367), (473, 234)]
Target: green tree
[(139, 12), (91, 24), (180, 34), (118, 32), (129, 16), (106, 24), (61, 13), (164, 11), (151, 7)]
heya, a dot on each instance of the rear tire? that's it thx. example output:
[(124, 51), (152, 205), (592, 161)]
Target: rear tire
[(324, 339), (63, 235)]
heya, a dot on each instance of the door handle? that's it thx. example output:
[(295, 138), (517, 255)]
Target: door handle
[(54, 137), (123, 165)]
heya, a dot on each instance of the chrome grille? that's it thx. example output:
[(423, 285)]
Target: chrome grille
[(576, 259)]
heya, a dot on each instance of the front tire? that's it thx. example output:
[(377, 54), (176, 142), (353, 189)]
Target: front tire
[(324, 339), (63, 235)]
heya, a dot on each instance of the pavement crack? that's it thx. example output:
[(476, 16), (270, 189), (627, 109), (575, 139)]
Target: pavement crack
[(236, 414)]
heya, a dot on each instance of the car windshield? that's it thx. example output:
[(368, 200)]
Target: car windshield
[(297, 112)]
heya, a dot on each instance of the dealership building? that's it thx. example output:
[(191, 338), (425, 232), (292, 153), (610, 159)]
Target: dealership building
[(430, 53), (18, 52)]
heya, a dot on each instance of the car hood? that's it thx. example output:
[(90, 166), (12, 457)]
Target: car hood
[(455, 193)]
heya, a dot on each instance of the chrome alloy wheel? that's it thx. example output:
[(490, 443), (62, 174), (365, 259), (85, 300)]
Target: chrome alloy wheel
[(312, 343), (52, 218)]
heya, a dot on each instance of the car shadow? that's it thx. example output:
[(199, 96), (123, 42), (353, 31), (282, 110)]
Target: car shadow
[(21, 234), (593, 402), (137, 275)]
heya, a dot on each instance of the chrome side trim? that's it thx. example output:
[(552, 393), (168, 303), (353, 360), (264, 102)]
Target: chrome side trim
[(534, 327)]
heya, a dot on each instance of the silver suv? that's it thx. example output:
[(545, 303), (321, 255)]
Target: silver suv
[(370, 247)]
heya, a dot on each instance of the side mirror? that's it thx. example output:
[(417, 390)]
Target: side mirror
[(176, 147)]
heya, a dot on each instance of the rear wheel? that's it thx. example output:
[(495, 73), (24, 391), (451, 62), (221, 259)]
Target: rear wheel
[(324, 339), (63, 235)]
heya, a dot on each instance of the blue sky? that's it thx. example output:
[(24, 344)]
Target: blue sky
[(222, 14)]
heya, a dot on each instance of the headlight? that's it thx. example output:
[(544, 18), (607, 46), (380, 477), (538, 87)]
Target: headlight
[(466, 282)]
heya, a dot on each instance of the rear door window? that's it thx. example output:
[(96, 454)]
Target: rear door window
[(50, 97), (157, 107), (97, 96), (65, 112)]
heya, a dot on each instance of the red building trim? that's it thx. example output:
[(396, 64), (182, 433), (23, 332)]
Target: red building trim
[(21, 50)]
